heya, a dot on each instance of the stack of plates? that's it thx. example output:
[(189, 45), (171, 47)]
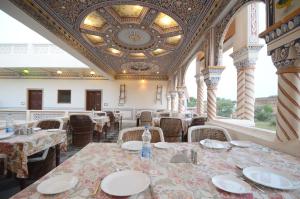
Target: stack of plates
[(6, 135)]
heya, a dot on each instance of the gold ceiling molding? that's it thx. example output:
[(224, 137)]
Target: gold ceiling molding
[(66, 20), (141, 77)]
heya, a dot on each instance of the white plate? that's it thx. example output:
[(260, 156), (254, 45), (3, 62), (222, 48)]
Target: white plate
[(57, 184), (6, 135), (214, 144), (52, 130), (36, 129), (132, 145), (269, 178), (240, 143), (231, 184), (125, 183), (162, 145)]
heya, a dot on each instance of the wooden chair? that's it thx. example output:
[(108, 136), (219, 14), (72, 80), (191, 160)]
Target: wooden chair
[(112, 119), (135, 133), (198, 133), (146, 118), (172, 128), (82, 128)]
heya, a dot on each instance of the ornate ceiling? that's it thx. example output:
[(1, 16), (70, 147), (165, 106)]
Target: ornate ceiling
[(148, 37)]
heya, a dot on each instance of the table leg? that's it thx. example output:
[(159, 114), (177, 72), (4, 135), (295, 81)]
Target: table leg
[(22, 183), (57, 150)]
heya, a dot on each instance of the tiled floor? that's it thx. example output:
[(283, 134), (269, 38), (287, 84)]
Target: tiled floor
[(9, 186)]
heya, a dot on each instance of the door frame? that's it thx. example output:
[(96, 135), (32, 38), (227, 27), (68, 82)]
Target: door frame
[(101, 97), (33, 89)]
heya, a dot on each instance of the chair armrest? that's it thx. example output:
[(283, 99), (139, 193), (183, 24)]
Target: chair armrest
[(41, 158)]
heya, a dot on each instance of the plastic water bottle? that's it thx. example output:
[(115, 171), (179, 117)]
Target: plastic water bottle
[(9, 124), (146, 148)]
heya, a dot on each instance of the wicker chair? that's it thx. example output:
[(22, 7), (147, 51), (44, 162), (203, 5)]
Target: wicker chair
[(49, 124), (198, 133), (3, 165), (135, 133), (42, 162), (164, 114), (112, 119), (172, 128), (146, 118), (198, 121), (82, 128)]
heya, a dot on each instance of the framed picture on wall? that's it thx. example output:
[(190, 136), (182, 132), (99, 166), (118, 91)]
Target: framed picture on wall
[(64, 96), (279, 9)]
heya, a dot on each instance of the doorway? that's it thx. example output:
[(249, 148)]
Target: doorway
[(93, 100), (35, 99)]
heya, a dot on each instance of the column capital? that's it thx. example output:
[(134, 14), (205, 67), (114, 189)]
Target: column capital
[(173, 94), (199, 77), (246, 57), (286, 58), (212, 76)]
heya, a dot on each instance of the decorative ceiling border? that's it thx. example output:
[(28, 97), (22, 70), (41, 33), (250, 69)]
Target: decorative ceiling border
[(141, 77)]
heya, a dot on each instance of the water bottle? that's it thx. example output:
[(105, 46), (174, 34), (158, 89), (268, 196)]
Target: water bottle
[(146, 148), (9, 124)]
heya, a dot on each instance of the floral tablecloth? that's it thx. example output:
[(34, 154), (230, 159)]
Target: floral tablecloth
[(169, 180), (19, 147)]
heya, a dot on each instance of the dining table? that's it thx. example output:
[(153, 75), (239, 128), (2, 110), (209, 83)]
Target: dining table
[(19, 147), (169, 180)]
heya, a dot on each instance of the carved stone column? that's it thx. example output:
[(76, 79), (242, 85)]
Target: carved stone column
[(245, 60), (181, 99), (169, 102), (200, 93), (287, 61), (212, 76), (173, 95), (284, 47)]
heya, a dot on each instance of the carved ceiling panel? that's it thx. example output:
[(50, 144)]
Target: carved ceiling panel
[(118, 34)]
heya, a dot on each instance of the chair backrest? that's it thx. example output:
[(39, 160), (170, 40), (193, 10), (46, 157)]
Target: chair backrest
[(3, 165), (135, 133), (82, 128), (101, 113), (172, 128), (146, 116), (50, 124), (111, 116), (164, 114), (198, 133), (198, 121)]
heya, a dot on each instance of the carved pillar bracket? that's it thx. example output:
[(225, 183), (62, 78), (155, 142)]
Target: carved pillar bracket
[(181, 99), (212, 77), (173, 95), (245, 61), (200, 93)]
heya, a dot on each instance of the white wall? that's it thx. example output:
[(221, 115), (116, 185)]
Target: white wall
[(140, 94)]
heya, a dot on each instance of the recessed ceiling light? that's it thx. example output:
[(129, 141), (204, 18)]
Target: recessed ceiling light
[(115, 51), (124, 71), (26, 71), (92, 73), (157, 72), (189, 8), (59, 72)]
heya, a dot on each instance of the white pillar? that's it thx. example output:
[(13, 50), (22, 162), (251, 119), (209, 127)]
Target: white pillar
[(173, 101), (181, 99), (169, 102), (200, 93)]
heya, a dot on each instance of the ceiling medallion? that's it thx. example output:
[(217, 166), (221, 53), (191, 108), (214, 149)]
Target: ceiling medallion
[(133, 37), (140, 67)]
